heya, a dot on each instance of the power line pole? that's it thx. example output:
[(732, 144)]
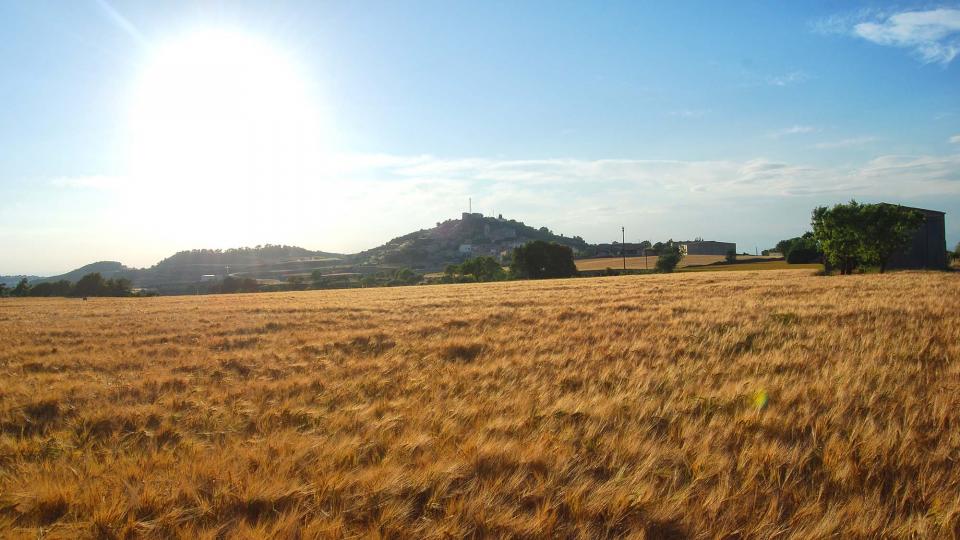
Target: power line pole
[(623, 247)]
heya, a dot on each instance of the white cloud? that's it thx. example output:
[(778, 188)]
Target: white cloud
[(793, 130), (933, 35), (846, 143), (371, 177), (364, 200), (955, 139)]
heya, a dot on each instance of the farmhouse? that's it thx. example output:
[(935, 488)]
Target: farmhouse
[(707, 247), (928, 249), (618, 249)]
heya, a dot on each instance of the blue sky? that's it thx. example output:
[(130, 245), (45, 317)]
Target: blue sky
[(675, 120)]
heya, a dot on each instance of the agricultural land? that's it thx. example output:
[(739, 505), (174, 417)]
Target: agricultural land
[(775, 404)]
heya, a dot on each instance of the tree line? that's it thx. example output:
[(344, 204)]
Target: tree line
[(92, 284), (853, 236)]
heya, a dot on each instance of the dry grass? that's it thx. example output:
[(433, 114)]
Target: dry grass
[(753, 266), (638, 263), (756, 405)]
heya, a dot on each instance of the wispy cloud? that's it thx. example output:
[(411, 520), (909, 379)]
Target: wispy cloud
[(955, 139), (374, 174), (932, 35), (792, 130), (89, 182), (846, 143), (397, 194), (788, 79), (689, 113)]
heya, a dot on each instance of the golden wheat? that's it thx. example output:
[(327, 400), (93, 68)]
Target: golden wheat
[(740, 404)]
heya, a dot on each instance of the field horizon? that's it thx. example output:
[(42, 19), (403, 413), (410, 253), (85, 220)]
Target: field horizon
[(774, 404)]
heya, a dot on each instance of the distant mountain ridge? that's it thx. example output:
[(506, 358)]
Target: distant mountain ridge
[(11, 281), (107, 269), (238, 256), (426, 250)]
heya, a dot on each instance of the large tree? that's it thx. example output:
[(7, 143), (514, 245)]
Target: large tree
[(481, 268), (90, 285), (853, 233), (800, 250), (22, 288), (887, 229), (839, 230), (539, 260)]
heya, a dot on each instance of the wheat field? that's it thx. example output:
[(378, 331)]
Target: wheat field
[(772, 404), (648, 263)]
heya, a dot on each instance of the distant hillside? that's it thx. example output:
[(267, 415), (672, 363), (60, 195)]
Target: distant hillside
[(266, 261), (107, 269), (244, 256), (454, 240), (426, 250), (11, 281)]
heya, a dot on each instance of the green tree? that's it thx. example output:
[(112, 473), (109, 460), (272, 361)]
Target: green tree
[(22, 288), (117, 287), (52, 288), (800, 250), (802, 247), (90, 285), (669, 257), (839, 231), (480, 268), (887, 229), (405, 276), (540, 260), (3, 290), (852, 234)]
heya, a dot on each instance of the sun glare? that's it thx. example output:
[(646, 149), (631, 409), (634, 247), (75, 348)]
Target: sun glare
[(219, 112)]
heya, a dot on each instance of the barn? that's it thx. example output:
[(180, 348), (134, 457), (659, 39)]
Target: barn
[(707, 247), (928, 249)]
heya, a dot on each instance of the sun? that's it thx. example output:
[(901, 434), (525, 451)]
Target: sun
[(217, 111)]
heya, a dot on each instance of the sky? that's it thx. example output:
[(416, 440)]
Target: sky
[(130, 130)]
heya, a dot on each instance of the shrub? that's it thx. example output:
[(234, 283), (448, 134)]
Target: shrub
[(540, 260), (479, 268), (669, 258)]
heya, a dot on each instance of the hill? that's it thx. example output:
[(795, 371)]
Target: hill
[(268, 261), (454, 240), (11, 281), (425, 250), (107, 269)]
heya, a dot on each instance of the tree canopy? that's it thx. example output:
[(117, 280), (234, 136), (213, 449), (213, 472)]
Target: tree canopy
[(800, 250), (669, 257), (853, 234), (540, 260), (478, 268), (91, 284)]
